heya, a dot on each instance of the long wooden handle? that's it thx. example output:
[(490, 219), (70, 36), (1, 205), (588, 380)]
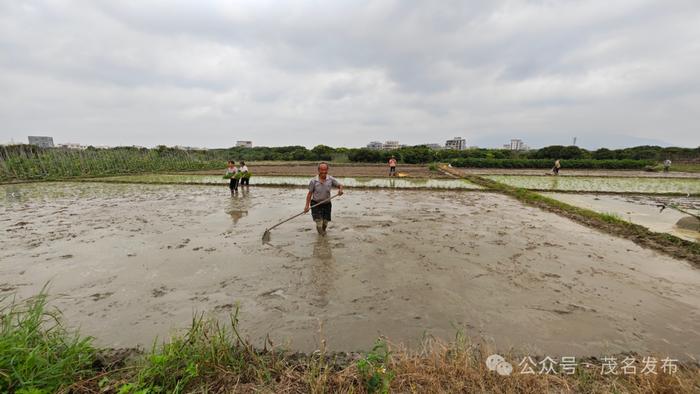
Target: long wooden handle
[(303, 212)]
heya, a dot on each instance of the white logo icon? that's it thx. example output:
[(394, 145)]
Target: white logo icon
[(499, 364)]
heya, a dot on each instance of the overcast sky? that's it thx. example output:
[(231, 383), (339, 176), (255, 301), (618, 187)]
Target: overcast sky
[(343, 73)]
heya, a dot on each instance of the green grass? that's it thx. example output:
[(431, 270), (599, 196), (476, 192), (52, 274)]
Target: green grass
[(685, 167), (208, 354), (37, 354), (611, 217)]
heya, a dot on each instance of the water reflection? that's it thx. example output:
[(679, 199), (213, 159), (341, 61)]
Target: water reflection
[(239, 205), (554, 184), (322, 267), (13, 194)]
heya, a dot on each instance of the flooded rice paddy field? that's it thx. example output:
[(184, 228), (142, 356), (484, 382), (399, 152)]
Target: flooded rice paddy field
[(602, 184), (643, 210), (128, 263), (580, 172), (401, 183)]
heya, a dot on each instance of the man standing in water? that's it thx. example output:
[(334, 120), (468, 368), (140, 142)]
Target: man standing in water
[(557, 166), (231, 172), (392, 166), (320, 190)]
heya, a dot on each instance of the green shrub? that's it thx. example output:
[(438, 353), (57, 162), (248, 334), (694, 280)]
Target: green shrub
[(374, 369)]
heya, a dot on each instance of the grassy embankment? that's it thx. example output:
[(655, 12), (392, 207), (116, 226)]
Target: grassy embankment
[(685, 167), (38, 354)]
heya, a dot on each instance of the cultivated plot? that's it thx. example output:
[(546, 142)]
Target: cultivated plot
[(602, 184), (672, 215), (128, 263)]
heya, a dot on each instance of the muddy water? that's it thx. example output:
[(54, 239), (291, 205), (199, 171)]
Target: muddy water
[(128, 263), (642, 210), (599, 184), (401, 183)]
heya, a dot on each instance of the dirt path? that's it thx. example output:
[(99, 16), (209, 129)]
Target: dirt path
[(579, 172), (341, 170), (131, 262)]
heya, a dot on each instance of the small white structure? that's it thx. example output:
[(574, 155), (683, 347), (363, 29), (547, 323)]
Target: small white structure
[(457, 143), (375, 145), (244, 144)]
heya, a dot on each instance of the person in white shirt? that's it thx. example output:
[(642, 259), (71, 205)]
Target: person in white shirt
[(667, 165), (245, 177)]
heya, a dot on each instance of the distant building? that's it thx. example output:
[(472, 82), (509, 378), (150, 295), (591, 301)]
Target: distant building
[(375, 145), (457, 143), (434, 146), (391, 145), (43, 142), (70, 145), (516, 144), (187, 147), (244, 144)]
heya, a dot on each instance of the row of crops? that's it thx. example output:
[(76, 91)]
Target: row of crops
[(20, 164)]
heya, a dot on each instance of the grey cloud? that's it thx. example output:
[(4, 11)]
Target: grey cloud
[(290, 72)]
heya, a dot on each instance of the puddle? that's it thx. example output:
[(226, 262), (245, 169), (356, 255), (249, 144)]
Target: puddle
[(643, 210), (599, 184), (402, 183), (128, 263)]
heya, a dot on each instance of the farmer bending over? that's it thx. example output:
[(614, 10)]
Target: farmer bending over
[(320, 190)]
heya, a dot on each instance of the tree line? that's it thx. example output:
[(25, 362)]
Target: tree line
[(32, 162), (422, 154)]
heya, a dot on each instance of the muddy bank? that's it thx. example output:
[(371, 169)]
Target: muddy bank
[(303, 181), (422, 171), (579, 172), (132, 262), (341, 170)]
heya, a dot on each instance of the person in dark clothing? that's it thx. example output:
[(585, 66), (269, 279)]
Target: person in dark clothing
[(231, 172)]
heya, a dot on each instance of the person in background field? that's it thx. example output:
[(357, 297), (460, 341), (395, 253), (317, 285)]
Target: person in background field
[(392, 166), (232, 170), (557, 166), (667, 165), (245, 176), (320, 190)]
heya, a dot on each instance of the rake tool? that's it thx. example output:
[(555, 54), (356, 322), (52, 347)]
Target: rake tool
[(266, 234)]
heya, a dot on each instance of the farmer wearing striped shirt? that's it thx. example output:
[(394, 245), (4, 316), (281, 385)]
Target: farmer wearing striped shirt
[(320, 190)]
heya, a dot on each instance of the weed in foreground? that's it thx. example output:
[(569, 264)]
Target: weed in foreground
[(37, 353)]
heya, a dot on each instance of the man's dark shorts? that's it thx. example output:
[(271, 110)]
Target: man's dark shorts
[(392, 170), (321, 212)]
